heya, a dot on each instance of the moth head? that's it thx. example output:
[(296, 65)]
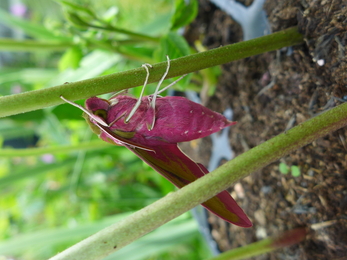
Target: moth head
[(100, 113), (94, 104), (91, 124), (96, 113)]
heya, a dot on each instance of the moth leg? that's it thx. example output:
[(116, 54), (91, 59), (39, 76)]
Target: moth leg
[(170, 85), (155, 94), (91, 115), (119, 92), (138, 103)]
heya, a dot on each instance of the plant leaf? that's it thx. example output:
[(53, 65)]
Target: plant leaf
[(295, 171), (71, 58), (284, 169), (185, 13), (173, 45), (35, 30)]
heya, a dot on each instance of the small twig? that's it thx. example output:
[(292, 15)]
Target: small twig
[(267, 87), (323, 224)]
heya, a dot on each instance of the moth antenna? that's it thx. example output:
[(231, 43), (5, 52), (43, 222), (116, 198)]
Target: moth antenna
[(91, 115), (117, 93), (157, 90), (138, 103)]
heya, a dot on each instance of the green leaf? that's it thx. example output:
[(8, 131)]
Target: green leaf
[(38, 151), (295, 171), (37, 116), (92, 65), (65, 111), (35, 242), (10, 130), (173, 45), (28, 75), (284, 169), (142, 53), (32, 172), (76, 20), (185, 13), (158, 26), (38, 240), (35, 30), (71, 58), (111, 14), (78, 8)]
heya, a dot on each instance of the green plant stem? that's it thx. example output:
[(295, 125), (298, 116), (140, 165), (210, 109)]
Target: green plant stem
[(130, 34), (287, 238), (174, 204), (7, 44), (92, 145), (38, 99), (245, 252)]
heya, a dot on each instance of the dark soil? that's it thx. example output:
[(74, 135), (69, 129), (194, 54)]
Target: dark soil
[(269, 94)]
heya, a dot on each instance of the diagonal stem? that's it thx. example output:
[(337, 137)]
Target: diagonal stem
[(142, 222), (38, 99)]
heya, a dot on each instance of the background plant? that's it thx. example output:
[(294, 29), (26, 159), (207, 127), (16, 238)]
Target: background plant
[(72, 167)]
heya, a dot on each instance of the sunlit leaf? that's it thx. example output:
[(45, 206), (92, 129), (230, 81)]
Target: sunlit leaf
[(35, 30), (295, 171), (284, 169), (71, 58), (185, 13)]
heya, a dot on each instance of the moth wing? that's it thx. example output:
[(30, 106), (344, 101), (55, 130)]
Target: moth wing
[(179, 169)]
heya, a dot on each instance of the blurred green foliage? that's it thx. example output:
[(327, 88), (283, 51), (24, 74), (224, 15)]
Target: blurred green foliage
[(285, 169), (69, 184)]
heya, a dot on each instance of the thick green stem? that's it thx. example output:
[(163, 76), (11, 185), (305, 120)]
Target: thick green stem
[(7, 44), (33, 100), (140, 223)]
